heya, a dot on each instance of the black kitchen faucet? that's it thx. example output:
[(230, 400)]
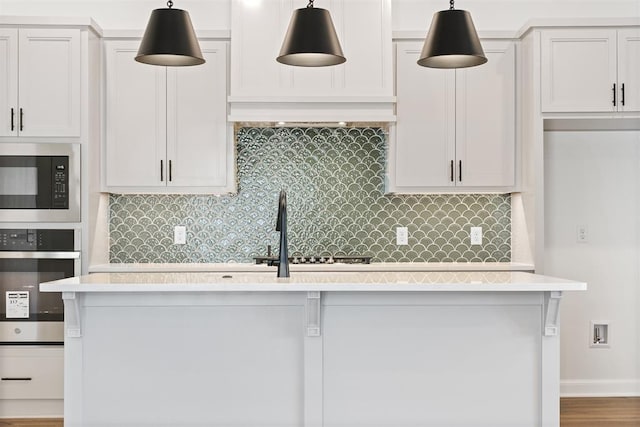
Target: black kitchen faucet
[(281, 226)]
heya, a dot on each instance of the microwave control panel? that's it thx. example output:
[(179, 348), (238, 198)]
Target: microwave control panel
[(60, 182)]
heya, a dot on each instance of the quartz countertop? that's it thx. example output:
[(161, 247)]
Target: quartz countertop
[(312, 281), (263, 268)]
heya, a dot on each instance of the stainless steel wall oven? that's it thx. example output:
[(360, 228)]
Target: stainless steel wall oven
[(39, 182), (28, 257)]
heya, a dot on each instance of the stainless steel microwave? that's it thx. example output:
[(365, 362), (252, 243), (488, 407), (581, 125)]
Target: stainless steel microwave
[(39, 182)]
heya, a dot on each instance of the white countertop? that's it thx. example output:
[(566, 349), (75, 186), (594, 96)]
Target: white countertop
[(263, 268), (309, 281)]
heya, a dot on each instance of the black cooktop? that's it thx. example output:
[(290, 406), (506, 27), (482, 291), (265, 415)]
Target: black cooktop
[(317, 259)]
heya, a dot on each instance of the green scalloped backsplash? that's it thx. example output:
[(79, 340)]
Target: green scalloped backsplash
[(334, 178)]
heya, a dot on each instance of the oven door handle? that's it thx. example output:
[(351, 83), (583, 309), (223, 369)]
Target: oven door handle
[(39, 255)]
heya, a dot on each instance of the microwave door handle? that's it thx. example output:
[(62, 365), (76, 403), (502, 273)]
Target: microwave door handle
[(39, 255)]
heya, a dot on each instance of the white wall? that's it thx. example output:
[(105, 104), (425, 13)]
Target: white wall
[(124, 14), (413, 15), (491, 15), (593, 179)]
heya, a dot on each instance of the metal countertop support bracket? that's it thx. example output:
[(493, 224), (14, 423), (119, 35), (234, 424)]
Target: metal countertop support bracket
[(551, 311), (312, 309), (72, 320)]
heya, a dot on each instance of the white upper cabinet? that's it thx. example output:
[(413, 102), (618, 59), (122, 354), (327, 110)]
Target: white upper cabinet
[(262, 89), (166, 128), (455, 129), (629, 69), (590, 70), (40, 82)]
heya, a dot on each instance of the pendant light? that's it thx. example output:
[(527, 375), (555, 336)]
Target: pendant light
[(311, 39), (169, 39), (452, 41)]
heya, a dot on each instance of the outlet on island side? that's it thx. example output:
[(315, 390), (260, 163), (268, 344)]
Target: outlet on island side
[(475, 235), (179, 235), (402, 236), (600, 334)]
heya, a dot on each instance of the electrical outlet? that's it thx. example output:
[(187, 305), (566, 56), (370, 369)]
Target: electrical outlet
[(582, 235), (475, 234), (179, 235), (402, 236)]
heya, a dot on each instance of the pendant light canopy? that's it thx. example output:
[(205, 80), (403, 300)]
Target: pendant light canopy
[(452, 41), (311, 39), (169, 39)]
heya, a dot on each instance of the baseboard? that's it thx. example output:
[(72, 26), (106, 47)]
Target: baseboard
[(600, 388), (31, 408)]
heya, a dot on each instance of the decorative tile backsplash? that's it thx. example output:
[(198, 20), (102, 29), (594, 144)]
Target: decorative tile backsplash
[(334, 178)]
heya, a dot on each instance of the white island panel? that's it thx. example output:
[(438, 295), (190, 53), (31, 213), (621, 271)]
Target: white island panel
[(213, 365)]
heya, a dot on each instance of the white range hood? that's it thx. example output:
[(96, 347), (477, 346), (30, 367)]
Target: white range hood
[(263, 90), (312, 109)]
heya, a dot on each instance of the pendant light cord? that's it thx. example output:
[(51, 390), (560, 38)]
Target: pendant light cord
[(170, 4), (450, 4), (310, 3)]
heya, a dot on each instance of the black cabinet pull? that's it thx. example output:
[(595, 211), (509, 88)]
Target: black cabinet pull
[(13, 114), (451, 171), (170, 172), (622, 89), (16, 379), (161, 171), (614, 94), (21, 120), (460, 170)]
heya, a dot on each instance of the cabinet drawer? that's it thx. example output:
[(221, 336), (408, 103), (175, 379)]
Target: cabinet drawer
[(31, 373)]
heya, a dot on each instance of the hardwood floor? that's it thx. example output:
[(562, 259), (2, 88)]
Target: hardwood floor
[(574, 412), (30, 422), (600, 411)]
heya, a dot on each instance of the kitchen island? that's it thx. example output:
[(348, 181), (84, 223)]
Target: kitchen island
[(316, 349)]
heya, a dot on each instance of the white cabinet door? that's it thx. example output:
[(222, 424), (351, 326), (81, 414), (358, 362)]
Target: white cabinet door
[(424, 149), (485, 120), (197, 141), (49, 82), (455, 129), (578, 70), (8, 81), (135, 120), (629, 69)]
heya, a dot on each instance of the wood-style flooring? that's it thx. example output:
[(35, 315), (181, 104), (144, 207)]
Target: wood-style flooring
[(574, 412), (600, 412)]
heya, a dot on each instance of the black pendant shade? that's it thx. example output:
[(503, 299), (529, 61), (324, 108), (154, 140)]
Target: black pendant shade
[(452, 42), (170, 40), (311, 40)]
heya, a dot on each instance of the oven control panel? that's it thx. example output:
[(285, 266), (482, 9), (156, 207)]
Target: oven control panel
[(36, 240)]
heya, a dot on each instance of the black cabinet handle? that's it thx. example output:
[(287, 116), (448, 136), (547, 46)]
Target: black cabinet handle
[(161, 170), (170, 172), (460, 170), (622, 89), (16, 379), (21, 120), (451, 171), (614, 94), (13, 114)]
